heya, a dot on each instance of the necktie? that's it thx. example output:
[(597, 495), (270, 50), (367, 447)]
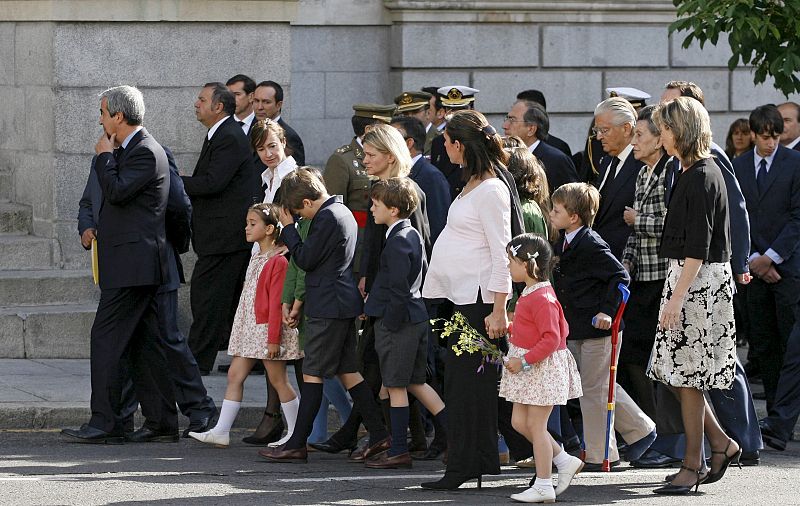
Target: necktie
[(566, 245), (761, 177), (206, 144), (241, 123), (612, 172), (118, 153)]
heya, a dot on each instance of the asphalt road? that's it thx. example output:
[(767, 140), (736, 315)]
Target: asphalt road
[(39, 468)]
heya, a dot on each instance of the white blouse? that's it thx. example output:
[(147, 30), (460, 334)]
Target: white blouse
[(470, 253), (272, 180)]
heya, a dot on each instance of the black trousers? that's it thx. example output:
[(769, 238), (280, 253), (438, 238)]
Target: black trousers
[(126, 325), (216, 286), (786, 409)]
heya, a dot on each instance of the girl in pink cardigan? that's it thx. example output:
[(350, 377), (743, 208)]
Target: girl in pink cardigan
[(540, 371), (258, 332)]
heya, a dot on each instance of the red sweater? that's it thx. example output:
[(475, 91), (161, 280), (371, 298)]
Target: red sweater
[(268, 296), (539, 325)]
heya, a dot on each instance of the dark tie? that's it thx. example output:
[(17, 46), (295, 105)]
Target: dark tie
[(761, 177), (612, 172), (118, 153), (206, 144), (241, 123), (566, 245)]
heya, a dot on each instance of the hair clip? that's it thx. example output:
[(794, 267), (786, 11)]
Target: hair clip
[(533, 256), (489, 130), (514, 249)]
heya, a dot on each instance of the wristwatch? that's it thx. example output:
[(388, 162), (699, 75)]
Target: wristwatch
[(525, 365)]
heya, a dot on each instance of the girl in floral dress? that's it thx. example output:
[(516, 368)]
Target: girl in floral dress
[(258, 332), (540, 371)]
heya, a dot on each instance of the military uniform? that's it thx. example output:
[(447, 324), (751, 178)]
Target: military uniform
[(431, 134), (453, 98)]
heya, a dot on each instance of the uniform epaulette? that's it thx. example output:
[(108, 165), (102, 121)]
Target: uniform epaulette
[(344, 149)]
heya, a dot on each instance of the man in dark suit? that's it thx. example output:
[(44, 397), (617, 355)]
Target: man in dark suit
[(243, 89), (132, 261), (614, 121), (790, 111), (267, 103), (221, 188), (453, 98), (537, 97), (529, 122), (190, 393)]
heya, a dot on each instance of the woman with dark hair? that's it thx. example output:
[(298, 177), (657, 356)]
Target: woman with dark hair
[(469, 273), (738, 140), (695, 342), (534, 192)]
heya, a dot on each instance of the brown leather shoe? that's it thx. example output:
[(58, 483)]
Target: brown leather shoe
[(280, 455), (365, 452), (384, 461)]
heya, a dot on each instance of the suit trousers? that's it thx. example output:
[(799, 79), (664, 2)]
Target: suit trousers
[(594, 360), (126, 325), (786, 408), (217, 282), (772, 309)]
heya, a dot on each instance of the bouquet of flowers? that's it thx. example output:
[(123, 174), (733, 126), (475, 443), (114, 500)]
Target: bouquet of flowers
[(470, 340)]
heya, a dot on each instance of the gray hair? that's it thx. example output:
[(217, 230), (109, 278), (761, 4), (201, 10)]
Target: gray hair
[(127, 100), (621, 109), (536, 115), (646, 114)]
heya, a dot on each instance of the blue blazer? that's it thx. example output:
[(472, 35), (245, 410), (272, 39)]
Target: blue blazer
[(559, 167), (609, 223), (585, 279), (775, 213), (437, 194), (395, 295), (327, 257)]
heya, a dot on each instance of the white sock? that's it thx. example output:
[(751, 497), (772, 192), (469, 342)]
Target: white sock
[(227, 415), (290, 410), (543, 483), (561, 459)]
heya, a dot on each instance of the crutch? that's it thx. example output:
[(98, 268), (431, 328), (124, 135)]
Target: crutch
[(612, 370)]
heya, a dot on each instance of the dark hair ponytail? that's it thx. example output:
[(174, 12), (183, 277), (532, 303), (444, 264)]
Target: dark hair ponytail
[(535, 252), (483, 146)]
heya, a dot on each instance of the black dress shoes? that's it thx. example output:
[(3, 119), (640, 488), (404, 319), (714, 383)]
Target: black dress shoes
[(91, 435), (770, 436), (334, 446), (199, 425), (590, 467), (433, 453), (653, 459), (148, 435), (750, 458)]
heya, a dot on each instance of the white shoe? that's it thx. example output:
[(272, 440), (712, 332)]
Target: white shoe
[(565, 475), (536, 495), (212, 438), (282, 441)]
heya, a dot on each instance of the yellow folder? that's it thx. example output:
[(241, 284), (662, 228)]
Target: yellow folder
[(95, 268)]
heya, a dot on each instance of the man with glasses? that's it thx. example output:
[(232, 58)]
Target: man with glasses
[(529, 121)]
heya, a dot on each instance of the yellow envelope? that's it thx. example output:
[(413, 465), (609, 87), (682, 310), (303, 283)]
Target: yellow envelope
[(95, 268)]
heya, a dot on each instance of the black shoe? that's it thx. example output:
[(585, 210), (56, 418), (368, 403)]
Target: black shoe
[(716, 476), (272, 436), (654, 459), (432, 453), (590, 467), (148, 435), (92, 435), (670, 489), (334, 446), (750, 458), (449, 482), (199, 425), (770, 436)]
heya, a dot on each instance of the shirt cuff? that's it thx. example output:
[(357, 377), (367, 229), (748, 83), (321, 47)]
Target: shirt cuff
[(774, 256), (753, 257)]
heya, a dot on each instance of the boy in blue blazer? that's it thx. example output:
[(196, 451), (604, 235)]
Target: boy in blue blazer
[(401, 320), (332, 305), (585, 280)]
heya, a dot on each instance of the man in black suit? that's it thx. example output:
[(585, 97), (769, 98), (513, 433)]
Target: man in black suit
[(529, 122), (614, 119), (267, 102), (132, 261), (537, 97), (222, 187), (790, 111), (243, 89)]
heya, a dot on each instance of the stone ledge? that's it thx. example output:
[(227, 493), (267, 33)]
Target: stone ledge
[(148, 10)]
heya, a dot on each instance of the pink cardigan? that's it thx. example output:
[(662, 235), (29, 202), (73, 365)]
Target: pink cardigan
[(539, 324), (268, 296)]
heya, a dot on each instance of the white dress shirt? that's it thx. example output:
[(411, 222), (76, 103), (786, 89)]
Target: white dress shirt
[(623, 155), (130, 136), (248, 120), (213, 129), (272, 178)]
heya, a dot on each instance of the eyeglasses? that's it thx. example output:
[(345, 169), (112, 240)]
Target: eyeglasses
[(512, 120), (601, 131)]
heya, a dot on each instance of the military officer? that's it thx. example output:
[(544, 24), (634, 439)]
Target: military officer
[(453, 98), (435, 122), (413, 103), (345, 174)]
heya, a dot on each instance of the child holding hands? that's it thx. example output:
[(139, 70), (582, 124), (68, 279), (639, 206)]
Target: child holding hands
[(540, 371)]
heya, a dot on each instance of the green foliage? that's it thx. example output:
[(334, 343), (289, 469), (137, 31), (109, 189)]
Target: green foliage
[(762, 33)]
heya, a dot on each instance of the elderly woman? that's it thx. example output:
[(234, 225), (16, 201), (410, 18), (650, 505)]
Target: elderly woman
[(642, 262), (694, 345)]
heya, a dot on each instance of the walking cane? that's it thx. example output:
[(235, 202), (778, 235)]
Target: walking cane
[(612, 373)]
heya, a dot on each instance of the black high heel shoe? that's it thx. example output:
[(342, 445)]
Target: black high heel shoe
[(715, 477), (450, 482), (671, 489), (272, 436)]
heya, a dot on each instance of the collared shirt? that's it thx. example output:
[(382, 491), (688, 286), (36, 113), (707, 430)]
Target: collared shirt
[(129, 137), (769, 159), (534, 146), (213, 129), (442, 126), (272, 179), (414, 160), (389, 230), (622, 156), (248, 120), (568, 238), (428, 127), (792, 144)]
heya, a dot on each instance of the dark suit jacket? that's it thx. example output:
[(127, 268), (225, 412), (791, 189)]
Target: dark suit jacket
[(375, 237), (222, 187), (558, 166), (451, 171), (775, 213), (559, 144), (294, 143), (178, 219), (327, 257), (437, 194), (585, 280), (131, 237), (620, 193), (395, 296), (796, 147)]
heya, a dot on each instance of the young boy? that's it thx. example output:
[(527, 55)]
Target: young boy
[(586, 279), (331, 307), (401, 325)]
